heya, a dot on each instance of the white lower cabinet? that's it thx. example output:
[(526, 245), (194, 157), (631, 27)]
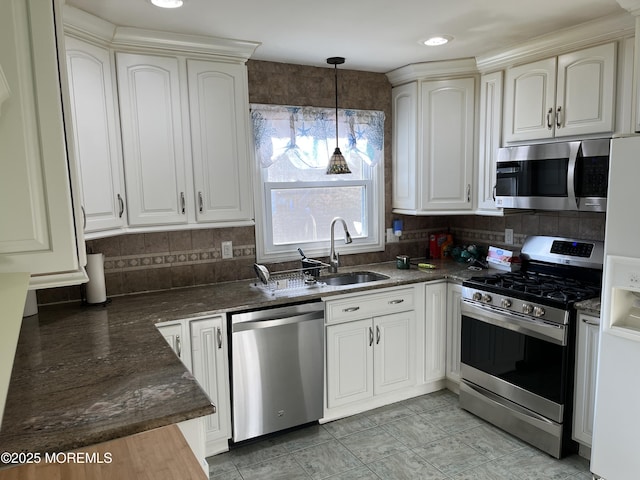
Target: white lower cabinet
[(588, 335), (454, 294), (201, 344), (209, 360), (374, 355), (435, 331)]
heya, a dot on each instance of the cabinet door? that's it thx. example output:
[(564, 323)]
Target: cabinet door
[(209, 360), (454, 294), (490, 125), (394, 352), (585, 385), (405, 118), (349, 362), (152, 139), (95, 134), (530, 101), (38, 227), (586, 91), (435, 331), (446, 151), (173, 334), (218, 107)]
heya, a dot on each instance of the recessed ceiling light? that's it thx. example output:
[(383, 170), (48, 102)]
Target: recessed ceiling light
[(167, 3), (437, 40)]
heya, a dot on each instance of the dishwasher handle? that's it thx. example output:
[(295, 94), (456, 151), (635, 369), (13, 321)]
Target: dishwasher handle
[(277, 322)]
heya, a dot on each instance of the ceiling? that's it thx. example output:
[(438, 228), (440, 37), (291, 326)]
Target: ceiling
[(373, 35)]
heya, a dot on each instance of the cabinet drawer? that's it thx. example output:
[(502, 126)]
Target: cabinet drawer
[(371, 305)]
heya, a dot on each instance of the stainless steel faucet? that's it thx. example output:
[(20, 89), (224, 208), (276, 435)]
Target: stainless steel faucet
[(334, 258)]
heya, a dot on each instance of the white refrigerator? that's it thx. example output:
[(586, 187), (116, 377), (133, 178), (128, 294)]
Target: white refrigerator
[(615, 451)]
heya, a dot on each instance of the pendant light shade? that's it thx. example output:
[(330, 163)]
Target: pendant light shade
[(337, 162)]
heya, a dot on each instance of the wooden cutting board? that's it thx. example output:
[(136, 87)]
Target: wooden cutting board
[(160, 454)]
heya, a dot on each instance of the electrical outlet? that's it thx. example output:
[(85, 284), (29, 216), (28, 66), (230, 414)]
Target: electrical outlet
[(227, 249), (391, 238), (508, 236)]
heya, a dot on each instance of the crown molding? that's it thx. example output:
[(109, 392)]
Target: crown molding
[(631, 6), (83, 25), (605, 29), (128, 37), (91, 28), (432, 70)]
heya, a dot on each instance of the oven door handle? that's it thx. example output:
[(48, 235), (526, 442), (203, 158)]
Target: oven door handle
[(544, 331)]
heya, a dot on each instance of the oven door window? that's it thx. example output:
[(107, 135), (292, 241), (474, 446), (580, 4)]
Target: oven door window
[(532, 178), (527, 362)]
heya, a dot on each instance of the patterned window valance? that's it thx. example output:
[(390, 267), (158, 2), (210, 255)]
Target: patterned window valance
[(306, 135)]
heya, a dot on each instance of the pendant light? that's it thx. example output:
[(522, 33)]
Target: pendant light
[(337, 162)]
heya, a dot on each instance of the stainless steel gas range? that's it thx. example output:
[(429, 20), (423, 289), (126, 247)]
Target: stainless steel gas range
[(518, 340)]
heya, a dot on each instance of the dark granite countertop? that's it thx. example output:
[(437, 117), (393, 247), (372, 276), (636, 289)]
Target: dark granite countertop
[(88, 374), (591, 307)]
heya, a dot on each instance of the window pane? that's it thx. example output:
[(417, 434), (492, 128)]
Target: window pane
[(293, 164), (304, 214)]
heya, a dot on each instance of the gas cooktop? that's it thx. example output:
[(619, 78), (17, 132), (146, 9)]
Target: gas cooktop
[(537, 286)]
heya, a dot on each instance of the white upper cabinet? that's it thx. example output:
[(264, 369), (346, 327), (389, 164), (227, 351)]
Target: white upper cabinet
[(433, 138), (168, 145), (96, 135), (585, 97), (490, 135), (218, 107), (38, 228), (573, 94), (446, 144), (405, 117), (152, 138)]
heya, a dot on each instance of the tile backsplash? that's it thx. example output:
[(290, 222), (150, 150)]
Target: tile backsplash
[(165, 260)]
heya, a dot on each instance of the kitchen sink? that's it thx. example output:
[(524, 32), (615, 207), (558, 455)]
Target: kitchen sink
[(353, 278)]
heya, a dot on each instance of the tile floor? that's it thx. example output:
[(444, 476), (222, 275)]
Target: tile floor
[(427, 437)]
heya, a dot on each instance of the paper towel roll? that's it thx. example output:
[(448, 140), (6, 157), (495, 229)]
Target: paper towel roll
[(96, 289)]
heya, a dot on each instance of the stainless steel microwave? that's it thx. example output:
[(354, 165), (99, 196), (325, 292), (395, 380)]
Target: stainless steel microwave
[(554, 176)]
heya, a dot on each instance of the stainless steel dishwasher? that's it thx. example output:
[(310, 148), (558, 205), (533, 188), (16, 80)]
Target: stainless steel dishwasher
[(277, 368)]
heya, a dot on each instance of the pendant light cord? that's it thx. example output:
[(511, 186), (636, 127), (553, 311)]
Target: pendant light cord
[(335, 69)]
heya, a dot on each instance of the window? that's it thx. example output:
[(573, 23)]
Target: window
[(297, 200)]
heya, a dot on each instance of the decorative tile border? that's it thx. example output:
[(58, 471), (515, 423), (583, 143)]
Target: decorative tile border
[(485, 237), (170, 259)]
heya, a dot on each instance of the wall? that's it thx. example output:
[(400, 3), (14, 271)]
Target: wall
[(164, 260)]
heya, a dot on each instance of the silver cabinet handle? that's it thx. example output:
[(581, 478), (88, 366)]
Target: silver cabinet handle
[(182, 204), (590, 322), (395, 302), (121, 203), (377, 335), (559, 117), (350, 309), (370, 336), (468, 193), (219, 335), (549, 121), (200, 202), (178, 346), (84, 218)]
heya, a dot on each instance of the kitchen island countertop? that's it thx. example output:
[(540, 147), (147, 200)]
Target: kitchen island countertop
[(88, 374)]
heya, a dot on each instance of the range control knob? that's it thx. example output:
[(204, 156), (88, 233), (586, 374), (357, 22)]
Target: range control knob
[(486, 298), (477, 296), (505, 303), (538, 312), (527, 308)]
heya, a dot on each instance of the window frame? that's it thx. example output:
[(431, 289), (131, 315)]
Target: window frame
[(267, 252)]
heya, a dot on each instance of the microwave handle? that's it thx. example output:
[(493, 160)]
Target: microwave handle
[(571, 173)]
